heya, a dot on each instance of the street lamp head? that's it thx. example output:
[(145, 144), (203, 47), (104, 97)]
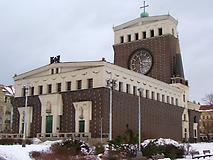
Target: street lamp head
[(140, 89)]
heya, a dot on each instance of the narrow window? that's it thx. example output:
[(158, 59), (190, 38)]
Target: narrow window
[(172, 100), (69, 86), (23, 91), (52, 71), (121, 86), (184, 117), (90, 83), (195, 133), (167, 99), (160, 31), (184, 98), (122, 39), (144, 35), (134, 90), (152, 33), (57, 71), (40, 89), (158, 96), (173, 31), (163, 98), (58, 87), (129, 38), (153, 95), (195, 119), (79, 84), (127, 88), (176, 102), (136, 36), (32, 91), (147, 93), (49, 88)]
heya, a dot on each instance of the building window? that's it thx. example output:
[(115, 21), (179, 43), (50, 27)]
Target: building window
[(167, 99), (153, 95), (184, 117), (136, 36), (176, 102), (158, 96), (144, 35), (69, 86), (134, 90), (129, 38), (49, 88), (58, 87), (121, 86), (90, 83), (127, 88), (122, 39), (152, 33), (52, 71), (40, 89), (57, 70), (172, 100), (23, 92), (79, 84), (147, 93), (32, 91), (160, 31), (173, 31), (163, 98), (184, 98), (195, 133)]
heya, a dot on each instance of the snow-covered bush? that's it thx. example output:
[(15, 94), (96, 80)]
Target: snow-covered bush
[(169, 148)]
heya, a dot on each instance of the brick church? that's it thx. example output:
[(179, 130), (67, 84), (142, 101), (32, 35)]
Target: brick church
[(73, 98)]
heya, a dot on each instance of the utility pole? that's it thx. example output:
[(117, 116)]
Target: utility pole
[(26, 90), (140, 90), (111, 84)]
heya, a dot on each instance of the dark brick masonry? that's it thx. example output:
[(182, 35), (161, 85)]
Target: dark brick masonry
[(158, 119), (163, 49), (34, 102)]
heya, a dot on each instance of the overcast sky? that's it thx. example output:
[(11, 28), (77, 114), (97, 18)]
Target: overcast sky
[(32, 31)]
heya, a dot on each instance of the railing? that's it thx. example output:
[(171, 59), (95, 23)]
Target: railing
[(10, 136), (64, 135)]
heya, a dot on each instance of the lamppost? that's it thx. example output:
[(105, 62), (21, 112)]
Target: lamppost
[(26, 90), (140, 90), (111, 84)]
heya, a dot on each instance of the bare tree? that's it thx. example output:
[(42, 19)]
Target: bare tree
[(208, 99)]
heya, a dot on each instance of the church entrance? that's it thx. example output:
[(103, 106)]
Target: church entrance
[(81, 126), (49, 124)]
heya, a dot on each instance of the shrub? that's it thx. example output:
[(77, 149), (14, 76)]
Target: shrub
[(99, 148), (168, 150), (67, 147)]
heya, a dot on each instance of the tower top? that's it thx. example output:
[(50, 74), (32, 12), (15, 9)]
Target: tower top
[(144, 13)]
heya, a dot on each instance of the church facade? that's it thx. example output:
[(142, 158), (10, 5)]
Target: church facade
[(74, 97)]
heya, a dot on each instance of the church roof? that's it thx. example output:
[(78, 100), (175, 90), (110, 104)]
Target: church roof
[(145, 20), (206, 108)]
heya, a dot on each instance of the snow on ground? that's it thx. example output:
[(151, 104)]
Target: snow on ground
[(17, 152)]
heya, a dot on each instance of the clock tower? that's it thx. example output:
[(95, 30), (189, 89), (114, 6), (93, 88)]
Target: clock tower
[(149, 45)]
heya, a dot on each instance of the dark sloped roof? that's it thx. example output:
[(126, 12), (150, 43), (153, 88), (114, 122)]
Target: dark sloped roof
[(206, 107)]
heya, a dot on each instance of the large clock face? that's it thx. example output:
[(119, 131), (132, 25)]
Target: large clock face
[(141, 61)]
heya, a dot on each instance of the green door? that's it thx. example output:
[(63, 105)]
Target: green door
[(49, 124), (81, 126)]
